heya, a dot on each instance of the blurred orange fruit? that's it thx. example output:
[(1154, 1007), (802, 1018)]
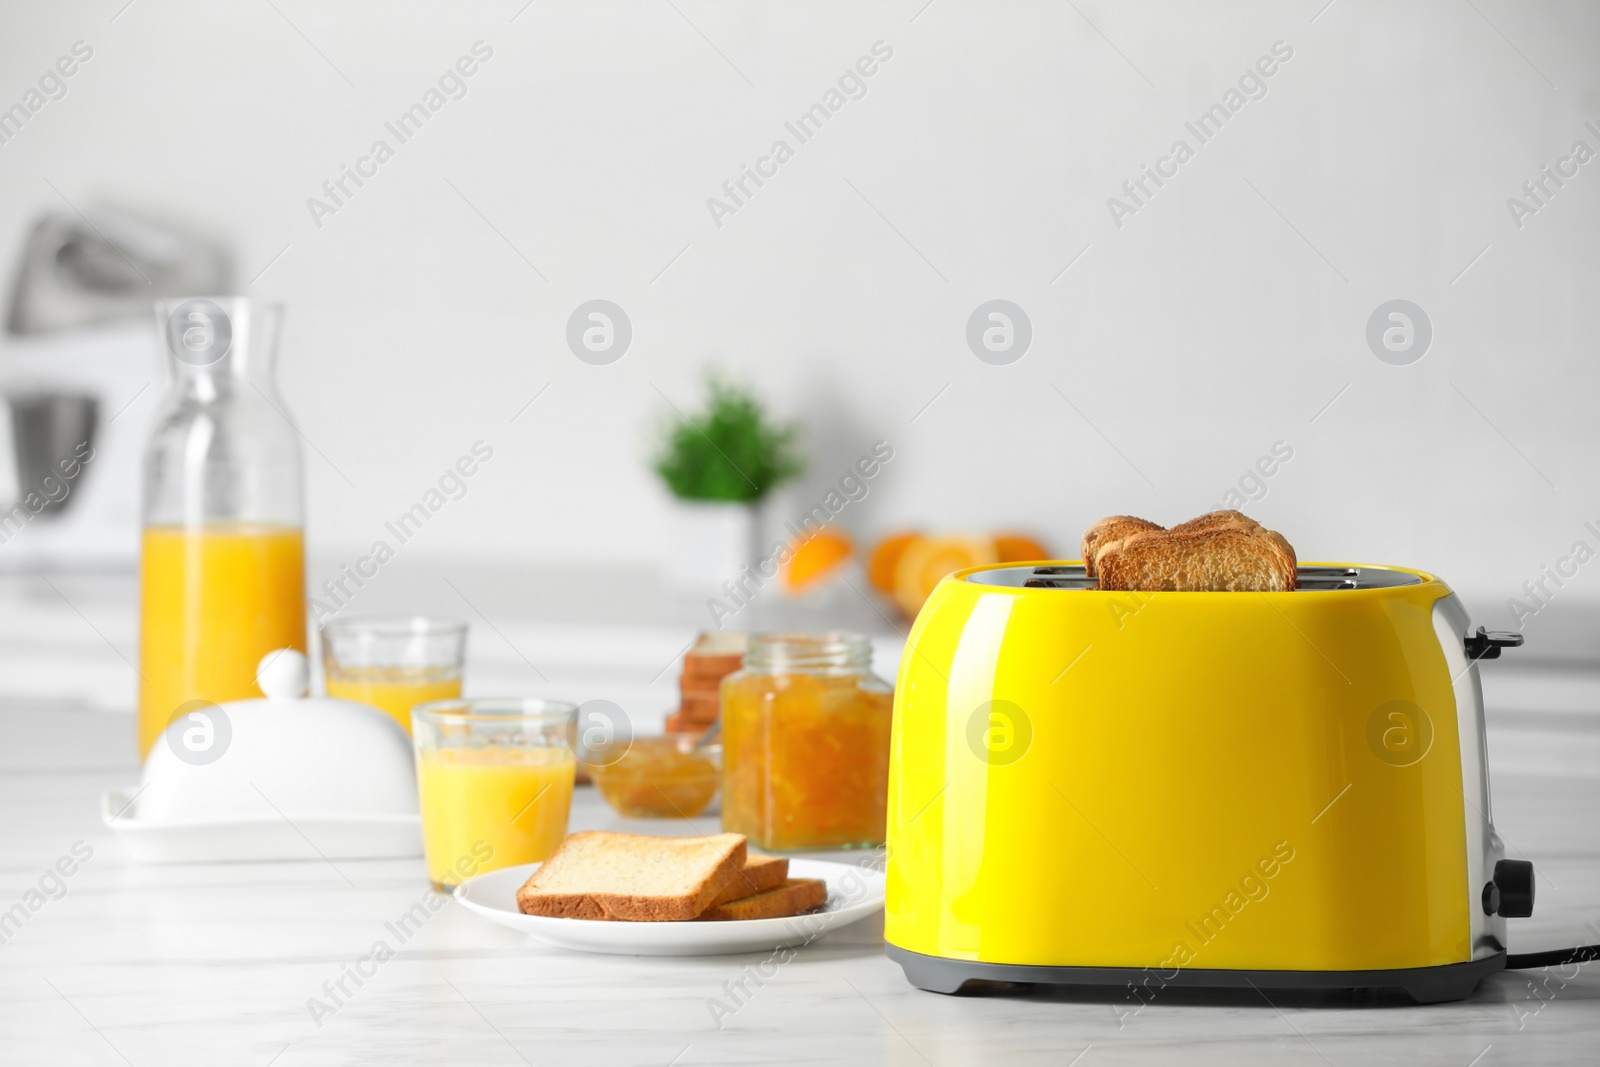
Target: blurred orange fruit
[(926, 560), (816, 558), (1018, 548), (885, 558)]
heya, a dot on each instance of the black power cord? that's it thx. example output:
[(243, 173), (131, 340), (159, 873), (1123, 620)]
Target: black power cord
[(1556, 957)]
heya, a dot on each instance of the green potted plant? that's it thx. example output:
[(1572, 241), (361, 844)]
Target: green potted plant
[(719, 464)]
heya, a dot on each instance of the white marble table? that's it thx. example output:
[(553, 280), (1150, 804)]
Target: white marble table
[(215, 964)]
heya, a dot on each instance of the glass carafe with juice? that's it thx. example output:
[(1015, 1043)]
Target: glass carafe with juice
[(222, 573)]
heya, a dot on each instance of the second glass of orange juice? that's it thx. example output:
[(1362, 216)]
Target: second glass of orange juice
[(494, 781), (393, 663)]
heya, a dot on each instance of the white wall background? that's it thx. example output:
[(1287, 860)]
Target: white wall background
[(1221, 318)]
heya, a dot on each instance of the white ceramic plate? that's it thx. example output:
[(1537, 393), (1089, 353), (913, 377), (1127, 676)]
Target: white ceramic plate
[(260, 839), (853, 894)]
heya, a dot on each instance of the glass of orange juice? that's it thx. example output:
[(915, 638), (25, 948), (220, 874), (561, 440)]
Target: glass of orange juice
[(494, 778), (394, 662)]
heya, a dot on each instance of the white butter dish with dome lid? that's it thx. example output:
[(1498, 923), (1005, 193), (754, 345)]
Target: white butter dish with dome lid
[(287, 777)]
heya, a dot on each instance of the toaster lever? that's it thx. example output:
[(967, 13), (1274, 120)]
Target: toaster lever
[(1486, 644)]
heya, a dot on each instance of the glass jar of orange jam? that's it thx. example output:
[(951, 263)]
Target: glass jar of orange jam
[(805, 743)]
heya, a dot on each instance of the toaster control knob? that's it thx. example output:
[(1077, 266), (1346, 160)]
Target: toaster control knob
[(1511, 892), (1486, 644)]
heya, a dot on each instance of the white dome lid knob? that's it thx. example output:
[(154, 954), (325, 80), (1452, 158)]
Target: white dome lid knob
[(283, 674)]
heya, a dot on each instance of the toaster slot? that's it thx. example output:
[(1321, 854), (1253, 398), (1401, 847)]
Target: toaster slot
[(1318, 579), (1311, 579), (1063, 576)]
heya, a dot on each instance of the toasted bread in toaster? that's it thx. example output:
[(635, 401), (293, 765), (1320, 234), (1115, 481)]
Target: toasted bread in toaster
[(603, 875), (1213, 520), (1226, 558), (791, 898), (1108, 530), (1286, 548)]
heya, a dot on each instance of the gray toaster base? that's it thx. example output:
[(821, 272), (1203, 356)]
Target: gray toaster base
[(1426, 985)]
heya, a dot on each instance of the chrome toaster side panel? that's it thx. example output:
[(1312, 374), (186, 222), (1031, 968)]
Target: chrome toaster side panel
[(1451, 624)]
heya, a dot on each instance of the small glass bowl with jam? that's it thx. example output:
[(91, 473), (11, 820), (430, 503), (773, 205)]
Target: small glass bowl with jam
[(663, 776)]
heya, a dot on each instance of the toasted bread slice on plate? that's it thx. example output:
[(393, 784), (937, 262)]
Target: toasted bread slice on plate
[(791, 898), (602, 875), (759, 874), (854, 893)]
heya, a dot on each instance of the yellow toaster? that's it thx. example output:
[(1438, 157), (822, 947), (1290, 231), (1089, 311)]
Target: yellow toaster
[(1284, 790)]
